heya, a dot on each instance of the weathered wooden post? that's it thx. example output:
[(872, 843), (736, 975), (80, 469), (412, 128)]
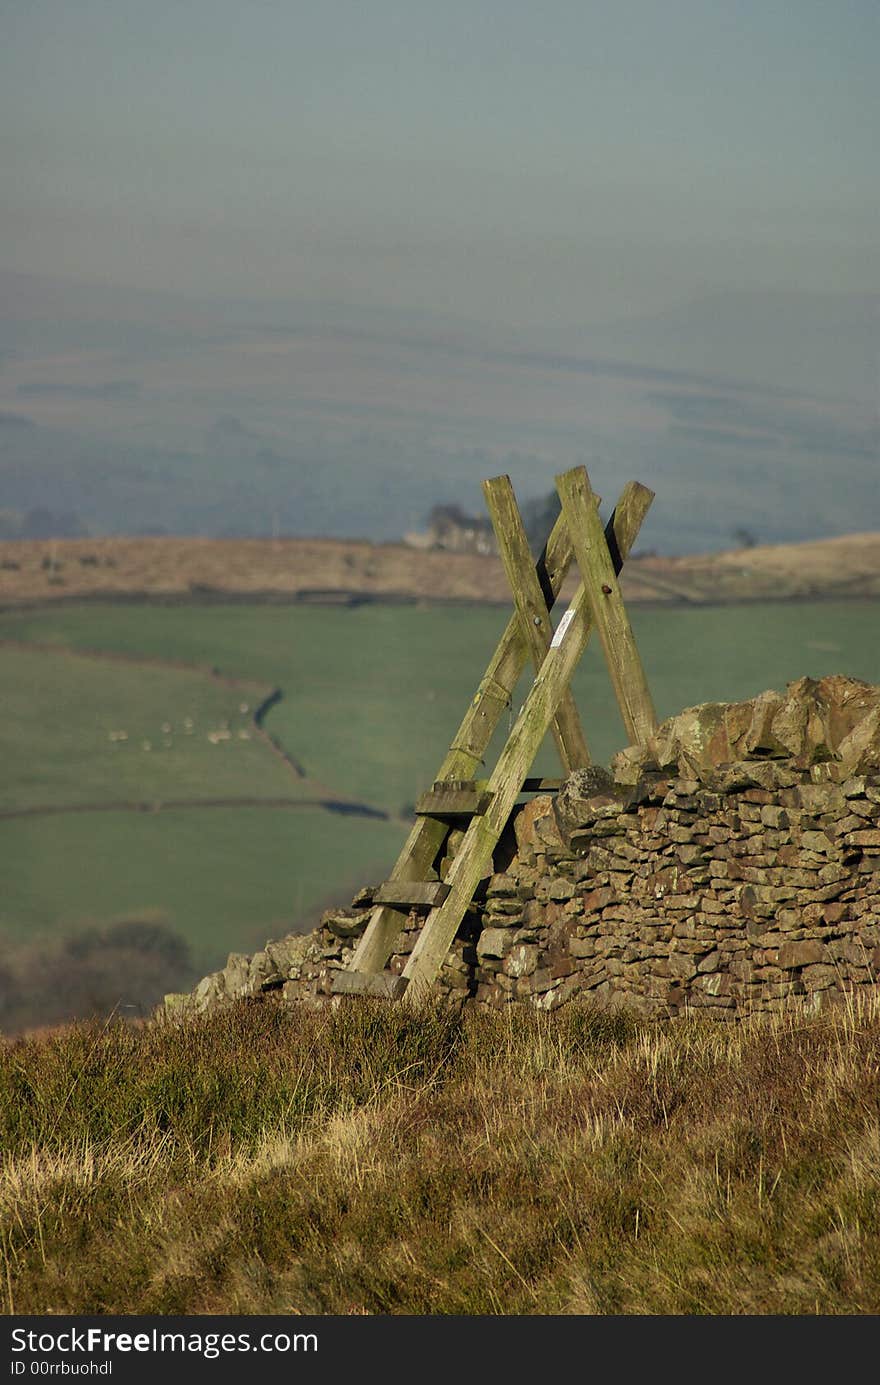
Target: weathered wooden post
[(487, 805)]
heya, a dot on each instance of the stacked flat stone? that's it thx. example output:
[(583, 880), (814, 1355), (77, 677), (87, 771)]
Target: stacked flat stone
[(730, 866), (683, 896)]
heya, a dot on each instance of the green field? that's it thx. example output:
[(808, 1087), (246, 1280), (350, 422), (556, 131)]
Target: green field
[(79, 730), (371, 698), (226, 879)]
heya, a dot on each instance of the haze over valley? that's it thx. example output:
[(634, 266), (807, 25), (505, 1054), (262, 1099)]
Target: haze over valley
[(126, 412)]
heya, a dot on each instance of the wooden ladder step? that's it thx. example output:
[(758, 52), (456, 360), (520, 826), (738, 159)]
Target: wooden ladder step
[(446, 800), (381, 985), (409, 894), (480, 785)]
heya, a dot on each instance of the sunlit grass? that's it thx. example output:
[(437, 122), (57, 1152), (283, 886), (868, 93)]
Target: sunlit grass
[(379, 1160)]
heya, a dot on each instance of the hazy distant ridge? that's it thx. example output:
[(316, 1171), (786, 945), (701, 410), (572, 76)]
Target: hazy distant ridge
[(137, 412)]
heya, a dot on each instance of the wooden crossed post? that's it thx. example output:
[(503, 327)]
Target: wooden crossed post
[(577, 534)]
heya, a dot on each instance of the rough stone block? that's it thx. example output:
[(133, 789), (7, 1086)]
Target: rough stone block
[(682, 965), (867, 837), (818, 978), (801, 954), (345, 923), (505, 911), (536, 983), (522, 959), (502, 886), (235, 974), (535, 826), (580, 948), (494, 942)]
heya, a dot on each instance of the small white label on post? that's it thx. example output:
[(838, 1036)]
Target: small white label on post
[(563, 626)]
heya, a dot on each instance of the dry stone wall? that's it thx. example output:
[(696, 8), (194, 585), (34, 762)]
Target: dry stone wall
[(731, 866)]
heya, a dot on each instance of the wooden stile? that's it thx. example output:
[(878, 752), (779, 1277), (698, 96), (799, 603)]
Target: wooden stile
[(466, 752), (488, 804), (505, 783)]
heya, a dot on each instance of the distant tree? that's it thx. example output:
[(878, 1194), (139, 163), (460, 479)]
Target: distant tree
[(40, 523), (538, 518), (744, 538), (450, 527), (124, 968), (443, 519)]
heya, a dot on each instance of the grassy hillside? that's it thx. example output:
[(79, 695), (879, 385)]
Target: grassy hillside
[(372, 697), (225, 878), (111, 911), (373, 694), (377, 1160), (88, 731), (219, 876)]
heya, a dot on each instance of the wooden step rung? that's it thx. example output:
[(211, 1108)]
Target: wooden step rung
[(447, 801), (380, 985), (530, 785), (419, 894)]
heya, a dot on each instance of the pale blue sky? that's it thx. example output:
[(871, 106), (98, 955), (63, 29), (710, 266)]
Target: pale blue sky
[(562, 163)]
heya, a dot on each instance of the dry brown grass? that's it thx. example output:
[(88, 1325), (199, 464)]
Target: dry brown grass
[(374, 1160), (37, 572)]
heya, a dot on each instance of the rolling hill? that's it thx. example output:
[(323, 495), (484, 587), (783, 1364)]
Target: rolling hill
[(40, 572)]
